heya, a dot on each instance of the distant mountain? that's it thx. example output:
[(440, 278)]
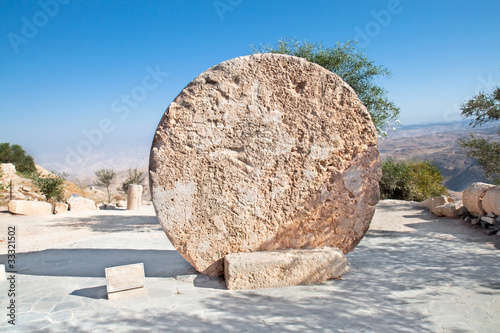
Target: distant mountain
[(120, 159), (438, 142)]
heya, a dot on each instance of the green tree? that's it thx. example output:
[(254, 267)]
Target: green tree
[(16, 155), (410, 180), (52, 186), (483, 108), (353, 66), (104, 178), (134, 177)]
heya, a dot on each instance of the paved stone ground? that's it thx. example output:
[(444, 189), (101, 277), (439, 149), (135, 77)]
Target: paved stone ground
[(411, 273)]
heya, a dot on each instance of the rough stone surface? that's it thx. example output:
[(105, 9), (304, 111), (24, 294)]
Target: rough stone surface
[(8, 171), (78, 203), (472, 197), (60, 207), (489, 220), (450, 209), (23, 207), (491, 200), (438, 201), (425, 204), (274, 269), (121, 204), (264, 152)]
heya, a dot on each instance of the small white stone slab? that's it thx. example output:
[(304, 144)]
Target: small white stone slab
[(125, 281)]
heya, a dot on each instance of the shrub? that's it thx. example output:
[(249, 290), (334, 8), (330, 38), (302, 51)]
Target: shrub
[(483, 108), (104, 178), (16, 155), (134, 177), (410, 180), (51, 186)]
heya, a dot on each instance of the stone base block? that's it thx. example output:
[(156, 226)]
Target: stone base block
[(275, 269)]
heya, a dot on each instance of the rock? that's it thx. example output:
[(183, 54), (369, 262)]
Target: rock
[(79, 203), (110, 207), (264, 152), (188, 278), (425, 204), (275, 269), (468, 219), (60, 207), (463, 210), (438, 201), (8, 170), (25, 188), (18, 196), (474, 221), (491, 201), (22, 207), (488, 220), (450, 209), (134, 196), (41, 170), (121, 204), (490, 232), (472, 197), (34, 196)]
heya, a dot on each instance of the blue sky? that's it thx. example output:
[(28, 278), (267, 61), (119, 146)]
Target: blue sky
[(66, 65)]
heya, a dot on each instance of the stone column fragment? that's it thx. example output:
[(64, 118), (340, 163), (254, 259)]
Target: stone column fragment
[(134, 197)]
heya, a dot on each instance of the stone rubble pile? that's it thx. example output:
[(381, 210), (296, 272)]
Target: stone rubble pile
[(480, 205)]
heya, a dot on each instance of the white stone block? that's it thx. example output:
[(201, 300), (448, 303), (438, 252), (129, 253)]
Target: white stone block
[(275, 269)]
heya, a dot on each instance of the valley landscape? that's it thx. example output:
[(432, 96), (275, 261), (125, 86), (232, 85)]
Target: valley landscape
[(435, 142)]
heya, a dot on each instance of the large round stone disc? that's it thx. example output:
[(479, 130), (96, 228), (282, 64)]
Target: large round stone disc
[(264, 152)]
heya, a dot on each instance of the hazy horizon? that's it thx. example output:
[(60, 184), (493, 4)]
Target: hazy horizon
[(92, 79)]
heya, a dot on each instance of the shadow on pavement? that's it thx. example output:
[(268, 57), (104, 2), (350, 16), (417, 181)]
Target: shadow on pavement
[(112, 223), (92, 262), (428, 224), (99, 292)]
